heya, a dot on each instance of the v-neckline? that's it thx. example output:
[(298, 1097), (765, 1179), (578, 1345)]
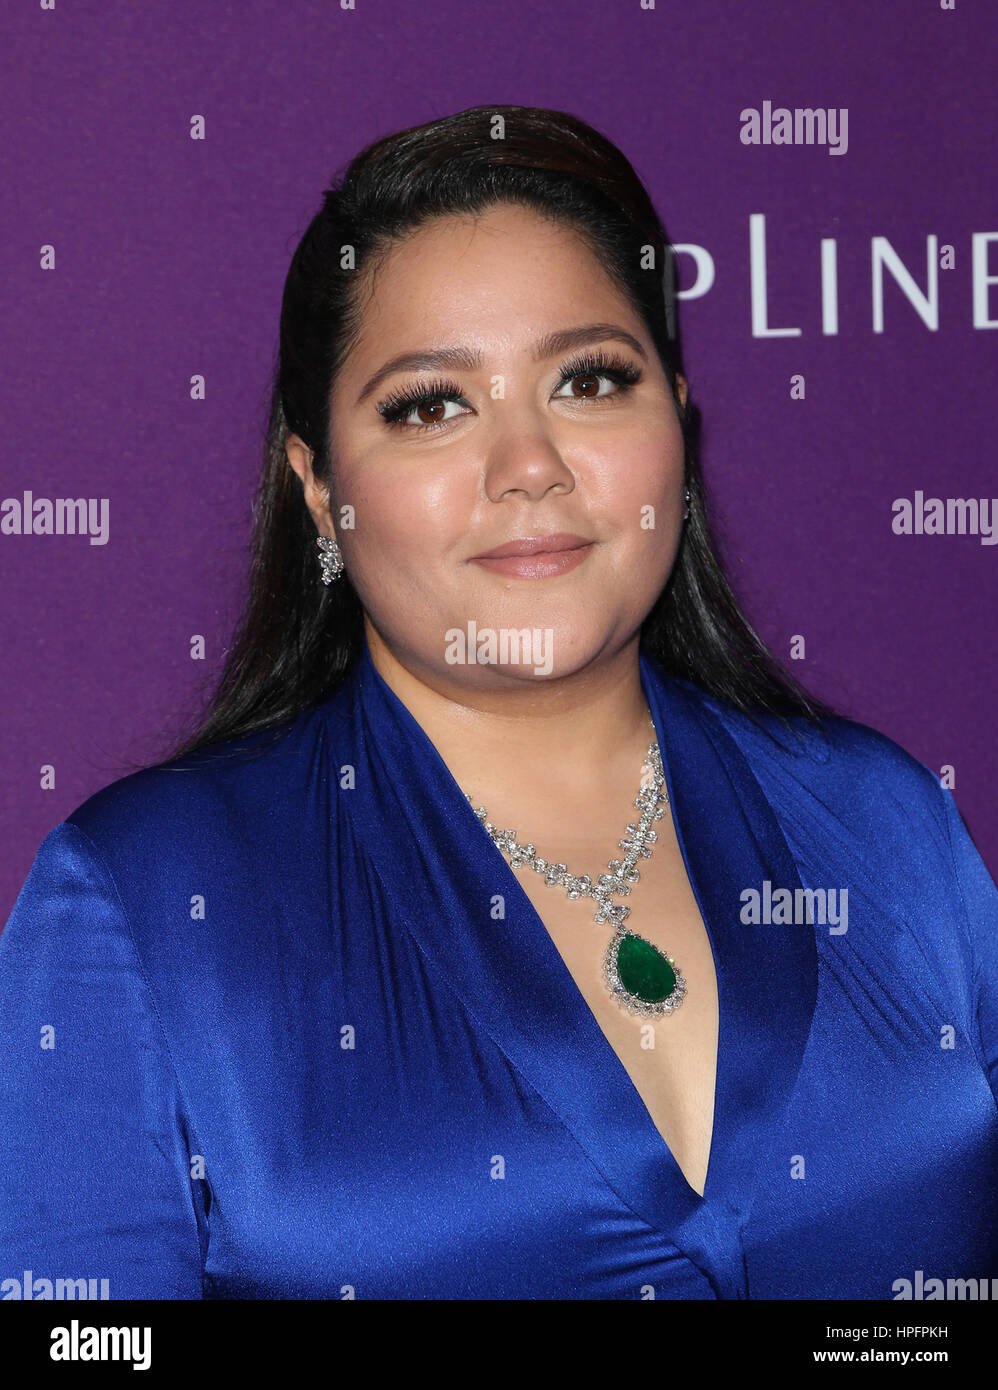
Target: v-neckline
[(514, 887), (516, 984)]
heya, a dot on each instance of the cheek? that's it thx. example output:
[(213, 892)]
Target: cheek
[(405, 521), (398, 515), (637, 487)]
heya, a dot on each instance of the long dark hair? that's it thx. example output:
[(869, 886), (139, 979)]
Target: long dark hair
[(297, 638)]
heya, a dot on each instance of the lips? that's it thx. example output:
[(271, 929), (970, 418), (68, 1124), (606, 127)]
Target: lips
[(536, 545), (537, 557)]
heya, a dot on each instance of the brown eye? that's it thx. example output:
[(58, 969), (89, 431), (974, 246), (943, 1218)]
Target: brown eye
[(430, 412), (590, 384), (422, 410)]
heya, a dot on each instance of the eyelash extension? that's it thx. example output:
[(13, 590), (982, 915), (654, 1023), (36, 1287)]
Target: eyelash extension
[(599, 363), (401, 402)]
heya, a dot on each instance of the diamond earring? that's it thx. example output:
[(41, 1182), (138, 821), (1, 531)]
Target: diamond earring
[(330, 560), (686, 499)]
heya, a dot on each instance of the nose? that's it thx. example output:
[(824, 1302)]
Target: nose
[(522, 458)]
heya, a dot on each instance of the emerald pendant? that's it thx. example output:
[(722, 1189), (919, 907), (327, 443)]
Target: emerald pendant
[(644, 971), (641, 977)]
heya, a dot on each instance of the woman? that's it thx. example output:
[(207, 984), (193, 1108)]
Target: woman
[(305, 1030)]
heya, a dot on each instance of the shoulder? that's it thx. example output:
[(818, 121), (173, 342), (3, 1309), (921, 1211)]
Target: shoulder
[(235, 790), (835, 763)]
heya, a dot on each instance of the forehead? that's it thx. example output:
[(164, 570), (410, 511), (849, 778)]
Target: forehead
[(506, 272)]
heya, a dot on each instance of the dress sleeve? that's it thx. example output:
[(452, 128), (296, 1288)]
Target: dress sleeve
[(980, 900), (95, 1154)]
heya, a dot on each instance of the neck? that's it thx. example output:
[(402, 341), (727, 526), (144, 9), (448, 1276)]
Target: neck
[(558, 737)]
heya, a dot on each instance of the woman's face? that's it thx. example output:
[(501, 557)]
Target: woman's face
[(516, 438)]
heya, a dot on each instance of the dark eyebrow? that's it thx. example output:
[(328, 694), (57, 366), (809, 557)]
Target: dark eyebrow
[(456, 358)]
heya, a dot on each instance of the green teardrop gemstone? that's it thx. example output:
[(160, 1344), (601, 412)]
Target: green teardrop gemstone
[(643, 970)]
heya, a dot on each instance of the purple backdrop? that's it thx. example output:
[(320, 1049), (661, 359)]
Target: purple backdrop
[(170, 254)]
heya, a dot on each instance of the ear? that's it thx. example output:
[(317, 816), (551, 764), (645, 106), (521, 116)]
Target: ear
[(681, 389), (300, 457)]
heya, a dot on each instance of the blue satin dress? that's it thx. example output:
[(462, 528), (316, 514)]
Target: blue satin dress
[(263, 1036)]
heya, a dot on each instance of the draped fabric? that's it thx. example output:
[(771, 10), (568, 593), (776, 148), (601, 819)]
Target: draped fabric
[(264, 1034)]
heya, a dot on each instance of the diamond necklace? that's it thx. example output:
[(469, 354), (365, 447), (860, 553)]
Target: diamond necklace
[(640, 977)]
